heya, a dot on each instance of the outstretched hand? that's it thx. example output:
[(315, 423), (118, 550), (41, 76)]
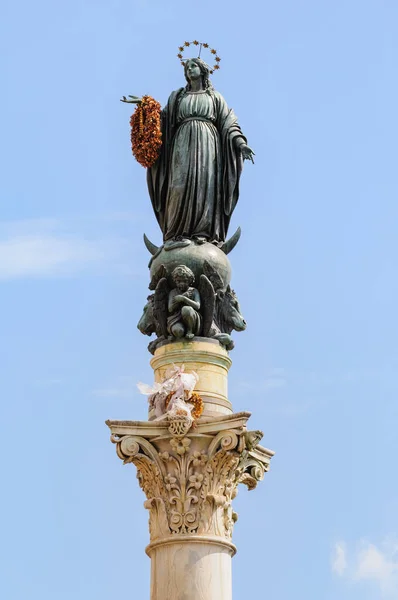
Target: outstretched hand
[(247, 153), (134, 99)]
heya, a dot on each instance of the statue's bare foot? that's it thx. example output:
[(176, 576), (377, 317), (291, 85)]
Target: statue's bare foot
[(189, 335), (200, 239)]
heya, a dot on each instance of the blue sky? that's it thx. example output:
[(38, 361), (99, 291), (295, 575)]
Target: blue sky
[(315, 88)]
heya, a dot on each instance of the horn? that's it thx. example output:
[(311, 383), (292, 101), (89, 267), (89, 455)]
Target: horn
[(150, 247), (231, 243)]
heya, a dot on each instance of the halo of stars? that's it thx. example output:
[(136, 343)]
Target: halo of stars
[(212, 51)]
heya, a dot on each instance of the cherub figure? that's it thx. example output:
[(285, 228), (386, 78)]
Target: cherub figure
[(182, 310), (184, 303)]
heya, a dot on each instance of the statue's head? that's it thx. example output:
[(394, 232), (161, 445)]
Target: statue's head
[(196, 68), (182, 277)]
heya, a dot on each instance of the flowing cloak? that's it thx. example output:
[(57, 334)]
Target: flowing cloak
[(194, 184)]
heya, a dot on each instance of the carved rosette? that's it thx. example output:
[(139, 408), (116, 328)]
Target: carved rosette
[(191, 479)]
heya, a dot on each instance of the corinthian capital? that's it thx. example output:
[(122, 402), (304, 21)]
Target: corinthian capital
[(190, 478)]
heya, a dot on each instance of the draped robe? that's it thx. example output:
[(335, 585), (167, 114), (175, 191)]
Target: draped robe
[(194, 184)]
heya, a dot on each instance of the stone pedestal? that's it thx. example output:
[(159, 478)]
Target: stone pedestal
[(190, 478), (210, 361)]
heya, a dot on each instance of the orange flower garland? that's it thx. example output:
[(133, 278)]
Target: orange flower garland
[(167, 401), (198, 406), (195, 399), (146, 134)]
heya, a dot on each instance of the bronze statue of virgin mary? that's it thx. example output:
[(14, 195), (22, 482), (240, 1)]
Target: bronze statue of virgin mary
[(194, 183), (194, 151)]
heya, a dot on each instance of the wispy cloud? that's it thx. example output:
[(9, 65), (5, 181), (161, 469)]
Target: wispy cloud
[(124, 387), (44, 248), (339, 559), (48, 381), (273, 378), (369, 562), (287, 385), (113, 392), (34, 256)]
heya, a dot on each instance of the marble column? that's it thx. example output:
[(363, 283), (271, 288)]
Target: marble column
[(190, 477)]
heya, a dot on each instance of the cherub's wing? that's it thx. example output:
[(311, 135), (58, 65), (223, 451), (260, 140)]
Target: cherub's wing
[(213, 275), (207, 303), (159, 274), (160, 303)]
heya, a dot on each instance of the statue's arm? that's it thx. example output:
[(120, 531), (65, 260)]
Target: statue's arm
[(240, 142), (195, 303), (242, 147), (133, 99), (227, 116), (247, 152), (173, 301)]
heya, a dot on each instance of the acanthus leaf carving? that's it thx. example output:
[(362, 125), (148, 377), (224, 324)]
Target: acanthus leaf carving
[(190, 481)]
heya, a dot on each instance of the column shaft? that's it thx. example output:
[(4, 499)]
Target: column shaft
[(188, 570)]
